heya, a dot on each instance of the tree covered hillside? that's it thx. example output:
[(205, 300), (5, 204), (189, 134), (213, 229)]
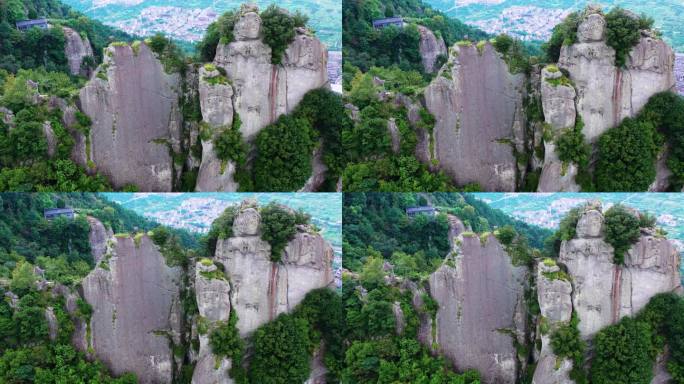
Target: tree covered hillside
[(376, 225), (35, 251)]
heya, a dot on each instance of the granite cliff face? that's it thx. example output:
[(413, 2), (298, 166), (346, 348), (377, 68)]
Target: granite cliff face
[(136, 317), (482, 312), (431, 48), (598, 291), (76, 49), (599, 93), (478, 107), (607, 94), (263, 289), (212, 293), (604, 292), (140, 315), (136, 119), (264, 91), (138, 129)]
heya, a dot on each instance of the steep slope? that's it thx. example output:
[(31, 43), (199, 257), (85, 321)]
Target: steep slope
[(480, 320), (136, 310), (477, 104), (133, 104)]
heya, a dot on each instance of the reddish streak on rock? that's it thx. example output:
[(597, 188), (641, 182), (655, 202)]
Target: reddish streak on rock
[(272, 289), (273, 91), (615, 295), (617, 97)]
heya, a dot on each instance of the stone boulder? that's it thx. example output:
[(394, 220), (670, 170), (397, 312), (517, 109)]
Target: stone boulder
[(136, 118), (76, 48), (478, 107), (136, 310), (482, 309), (431, 48)]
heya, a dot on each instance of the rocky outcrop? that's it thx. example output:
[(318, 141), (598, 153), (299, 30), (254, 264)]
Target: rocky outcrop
[(136, 316), (604, 292), (50, 138), (263, 289), (481, 319), (98, 237), (318, 170), (431, 48), (607, 94), (216, 103), (76, 48), (212, 291), (264, 91), (136, 120), (555, 303), (478, 106), (558, 103)]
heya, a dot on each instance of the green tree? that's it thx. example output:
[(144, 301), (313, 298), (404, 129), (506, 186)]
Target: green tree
[(281, 353), (623, 354), (23, 278), (621, 230), (622, 33), (278, 29), (278, 227)]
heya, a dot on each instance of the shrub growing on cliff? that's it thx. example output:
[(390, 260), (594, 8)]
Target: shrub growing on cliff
[(567, 343), (225, 340), (278, 29), (221, 228), (284, 150), (278, 227), (621, 229), (281, 352), (572, 147), (564, 33), (623, 32), (626, 160), (623, 354)]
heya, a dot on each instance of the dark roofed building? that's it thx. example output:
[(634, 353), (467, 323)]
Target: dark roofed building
[(35, 23), (57, 212), (382, 23), (427, 210)]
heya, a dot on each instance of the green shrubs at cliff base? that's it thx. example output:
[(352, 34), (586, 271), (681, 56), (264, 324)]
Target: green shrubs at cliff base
[(225, 340)]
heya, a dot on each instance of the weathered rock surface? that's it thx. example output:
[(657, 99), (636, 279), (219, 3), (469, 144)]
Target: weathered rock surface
[(264, 91), (216, 103), (213, 301), (262, 289), (136, 310), (98, 237), (603, 292), (558, 103), (607, 94), (555, 302), (135, 118), (76, 48), (478, 106), (51, 139), (479, 318), (431, 48), (318, 170)]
